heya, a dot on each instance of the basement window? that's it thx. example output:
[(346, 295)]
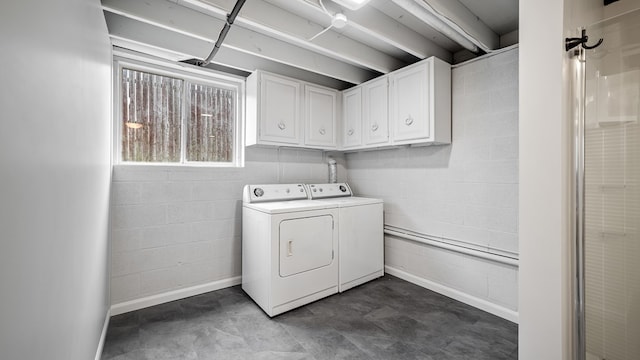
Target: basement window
[(170, 114)]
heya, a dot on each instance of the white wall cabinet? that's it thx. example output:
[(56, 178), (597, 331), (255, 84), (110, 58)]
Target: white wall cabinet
[(321, 116), (287, 112), (376, 112), (410, 106), (273, 110), (365, 116), (352, 118), (420, 103)]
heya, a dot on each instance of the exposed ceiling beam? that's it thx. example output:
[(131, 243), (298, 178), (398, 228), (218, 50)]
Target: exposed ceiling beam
[(469, 22), (231, 62), (457, 17), (195, 33), (139, 51), (141, 36), (372, 23), (409, 20), (274, 21)]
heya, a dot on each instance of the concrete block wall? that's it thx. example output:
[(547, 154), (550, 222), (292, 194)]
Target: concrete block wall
[(176, 228), (466, 192), (179, 227)]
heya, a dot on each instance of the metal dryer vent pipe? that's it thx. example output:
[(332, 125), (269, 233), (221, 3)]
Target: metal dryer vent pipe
[(223, 34), (333, 171)]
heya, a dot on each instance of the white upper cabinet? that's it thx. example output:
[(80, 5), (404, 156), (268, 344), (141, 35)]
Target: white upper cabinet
[(420, 103), (365, 115), (321, 116), (287, 112), (376, 112), (352, 118), (273, 110), (410, 106)]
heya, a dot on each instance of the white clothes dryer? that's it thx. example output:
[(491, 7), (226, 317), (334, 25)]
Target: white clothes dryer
[(360, 234), (289, 247)]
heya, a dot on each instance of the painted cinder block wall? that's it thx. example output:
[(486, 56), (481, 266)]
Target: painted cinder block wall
[(466, 191), (177, 229)]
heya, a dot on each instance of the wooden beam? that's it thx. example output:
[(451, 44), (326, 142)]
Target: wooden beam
[(457, 15), (168, 44), (195, 33), (374, 24), (268, 19)]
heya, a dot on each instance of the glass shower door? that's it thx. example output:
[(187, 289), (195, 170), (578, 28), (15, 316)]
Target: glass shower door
[(612, 191)]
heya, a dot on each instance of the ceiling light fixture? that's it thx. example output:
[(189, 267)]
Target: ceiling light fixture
[(351, 4), (338, 21)]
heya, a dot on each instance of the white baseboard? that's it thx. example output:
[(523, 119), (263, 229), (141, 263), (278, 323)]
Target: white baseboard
[(468, 299), (152, 300), (103, 336)]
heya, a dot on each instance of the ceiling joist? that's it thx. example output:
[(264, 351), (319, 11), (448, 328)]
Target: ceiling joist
[(459, 17), (368, 22), (292, 38), (268, 19), (229, 61), (167, 25)]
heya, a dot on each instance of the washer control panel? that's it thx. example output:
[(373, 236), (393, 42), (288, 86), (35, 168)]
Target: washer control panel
[(274, 192), (321, 191)]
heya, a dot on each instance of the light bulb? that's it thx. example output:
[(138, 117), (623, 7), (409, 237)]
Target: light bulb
[(339, 21)]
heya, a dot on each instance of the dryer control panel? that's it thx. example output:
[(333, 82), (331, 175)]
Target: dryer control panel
[(323, 191), (273, 192)]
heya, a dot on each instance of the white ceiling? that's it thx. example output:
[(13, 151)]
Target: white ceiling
[(274, 35)]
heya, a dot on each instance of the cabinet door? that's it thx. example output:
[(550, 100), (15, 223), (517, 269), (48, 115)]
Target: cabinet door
[(279, 110), (410, 100), (376, 112), (320, 115), (352, 118)]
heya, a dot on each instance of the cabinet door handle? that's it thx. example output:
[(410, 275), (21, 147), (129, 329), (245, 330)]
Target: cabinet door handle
[(374, 127), (322, 131), (350, 132), (408, 121), (282, 125)]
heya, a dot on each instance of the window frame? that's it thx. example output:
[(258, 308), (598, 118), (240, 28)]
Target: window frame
[(190, 75)]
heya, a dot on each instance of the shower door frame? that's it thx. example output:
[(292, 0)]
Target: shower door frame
[(579, 105)]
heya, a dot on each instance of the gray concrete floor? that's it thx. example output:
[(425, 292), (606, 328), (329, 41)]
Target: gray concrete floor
[(388, 318)]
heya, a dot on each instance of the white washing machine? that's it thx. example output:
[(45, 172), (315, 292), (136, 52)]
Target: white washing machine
[(360, 233), (289, 247)]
